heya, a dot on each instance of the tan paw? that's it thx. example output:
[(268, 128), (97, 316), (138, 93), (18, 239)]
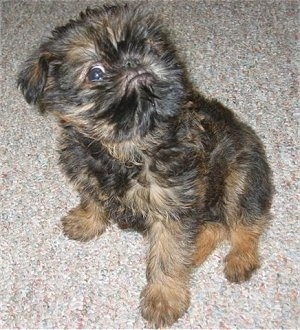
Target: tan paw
[(239, 267), (82, 225), (162, 305)]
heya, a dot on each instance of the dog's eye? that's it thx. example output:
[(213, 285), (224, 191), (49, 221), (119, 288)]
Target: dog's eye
[(96, 73)]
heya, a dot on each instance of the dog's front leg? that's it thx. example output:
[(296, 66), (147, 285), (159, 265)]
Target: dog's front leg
[(86, 221), (166, 296)]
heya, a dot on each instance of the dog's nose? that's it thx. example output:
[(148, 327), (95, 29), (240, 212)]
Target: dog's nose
[(131, 62)]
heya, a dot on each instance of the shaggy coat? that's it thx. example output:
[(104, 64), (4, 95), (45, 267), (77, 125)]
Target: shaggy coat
[(147, 151)]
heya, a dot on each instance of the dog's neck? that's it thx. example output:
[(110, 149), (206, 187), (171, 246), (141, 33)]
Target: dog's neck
[(138, 150)]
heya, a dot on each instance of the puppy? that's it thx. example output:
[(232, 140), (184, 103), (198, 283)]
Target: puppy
[(147, 151)]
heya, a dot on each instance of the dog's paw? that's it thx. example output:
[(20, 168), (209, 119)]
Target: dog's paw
[(162, 305), (239, 267), (82, 225)]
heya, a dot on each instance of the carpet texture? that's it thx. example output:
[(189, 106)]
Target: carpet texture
[(241, 52)]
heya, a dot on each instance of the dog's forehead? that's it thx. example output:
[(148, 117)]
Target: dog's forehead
[(80, 48), (112, 28), (97, 37)]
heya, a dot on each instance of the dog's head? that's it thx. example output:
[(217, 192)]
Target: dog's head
[(113, 73)]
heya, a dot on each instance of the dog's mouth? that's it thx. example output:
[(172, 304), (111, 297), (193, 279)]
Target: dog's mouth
[(138, 77), (141, 80)]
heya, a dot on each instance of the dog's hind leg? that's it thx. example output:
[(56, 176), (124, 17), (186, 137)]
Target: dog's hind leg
[(243, 258), (209, 237)]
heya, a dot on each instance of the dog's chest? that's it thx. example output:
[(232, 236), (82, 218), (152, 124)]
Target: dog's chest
[(150, 192), (159, 183)]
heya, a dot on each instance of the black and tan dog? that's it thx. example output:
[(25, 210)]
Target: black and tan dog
[(145, 150)]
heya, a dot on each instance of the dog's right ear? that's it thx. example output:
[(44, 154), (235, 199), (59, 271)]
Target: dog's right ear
[(33, 77)]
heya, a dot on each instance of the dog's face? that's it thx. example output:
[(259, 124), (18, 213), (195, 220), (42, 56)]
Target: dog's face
[(113, 73)]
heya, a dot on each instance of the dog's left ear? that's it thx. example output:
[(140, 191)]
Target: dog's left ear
[(33, 77)]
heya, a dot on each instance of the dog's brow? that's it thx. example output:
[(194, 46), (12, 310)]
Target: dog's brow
[(79, 52), (112, 37)]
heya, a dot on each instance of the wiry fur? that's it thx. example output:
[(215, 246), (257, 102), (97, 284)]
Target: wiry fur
[(146, 151)]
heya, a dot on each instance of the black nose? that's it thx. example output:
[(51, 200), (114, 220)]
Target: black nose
[(131, 62)]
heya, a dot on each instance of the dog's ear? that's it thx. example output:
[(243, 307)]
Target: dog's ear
[(33, 77)]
